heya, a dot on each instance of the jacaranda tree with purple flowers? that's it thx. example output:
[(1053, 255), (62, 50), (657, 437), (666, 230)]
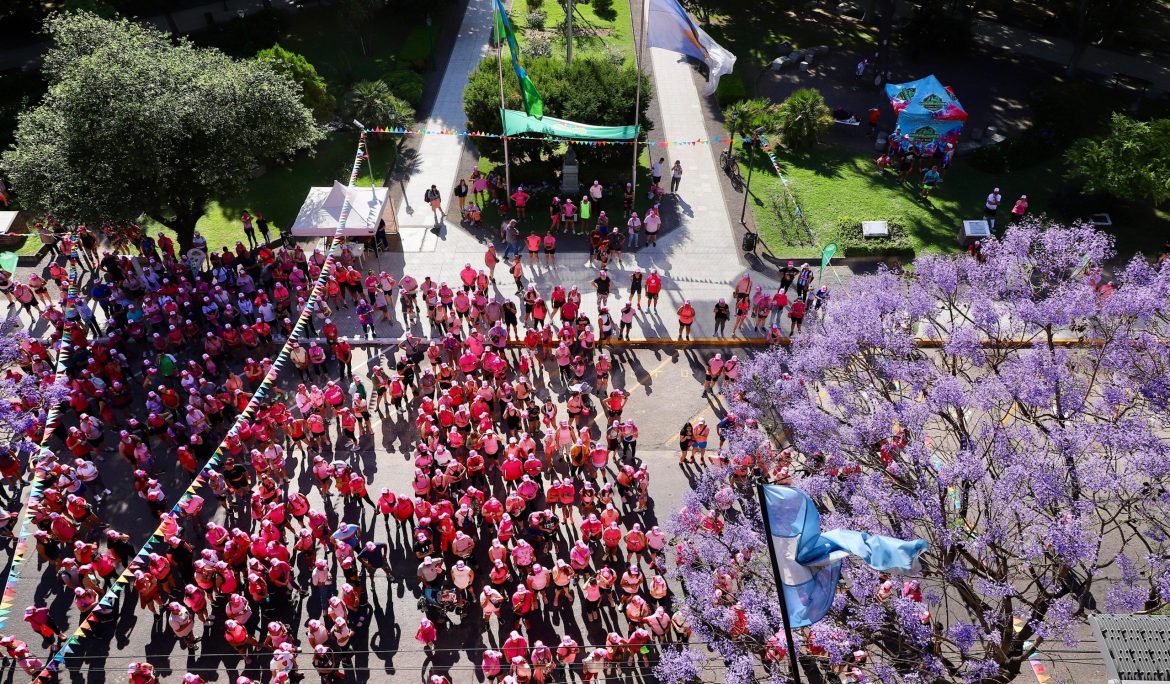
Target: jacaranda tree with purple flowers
[(1011, 410), (24, 398)]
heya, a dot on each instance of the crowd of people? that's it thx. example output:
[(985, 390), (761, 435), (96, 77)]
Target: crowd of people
[(527, 493)]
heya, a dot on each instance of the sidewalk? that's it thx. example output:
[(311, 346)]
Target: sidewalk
[(437, 162), (1059, 50)]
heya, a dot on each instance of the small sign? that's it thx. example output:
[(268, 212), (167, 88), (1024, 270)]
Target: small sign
[(976, 229), (871, 229)]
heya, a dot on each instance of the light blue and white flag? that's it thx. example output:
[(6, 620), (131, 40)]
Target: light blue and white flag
[(670, 28), (809, 561)]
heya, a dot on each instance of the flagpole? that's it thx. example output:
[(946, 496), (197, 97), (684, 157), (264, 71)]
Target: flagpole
[(503, 130), (638, 98), (793, 661)]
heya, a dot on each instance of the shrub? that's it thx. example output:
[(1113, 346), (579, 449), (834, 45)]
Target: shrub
[(614, 56), (850, 241), (591, 91), (314, 94), (536, 19), (731, 89), (538, 46), (1026, 149), (417, 46), (604, 10), (803, 117), (407, 84)]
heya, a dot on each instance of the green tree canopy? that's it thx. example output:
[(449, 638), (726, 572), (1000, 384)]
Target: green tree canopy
[(1132, 162), (134, 124), (373, 104), (590, 91), (314, 93), (743, 118)]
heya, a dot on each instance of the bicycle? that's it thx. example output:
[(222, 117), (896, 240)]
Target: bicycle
[(730, 166)]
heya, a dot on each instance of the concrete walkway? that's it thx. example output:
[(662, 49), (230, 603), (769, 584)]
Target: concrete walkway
[(437, 162), (1059, 50)]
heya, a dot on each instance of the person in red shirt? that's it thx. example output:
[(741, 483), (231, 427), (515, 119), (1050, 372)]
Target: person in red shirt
[(796, 314), (686, 316), (653, 287)]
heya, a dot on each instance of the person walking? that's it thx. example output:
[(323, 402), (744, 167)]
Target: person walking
[(676, 173), (433, 198), (262, 225)]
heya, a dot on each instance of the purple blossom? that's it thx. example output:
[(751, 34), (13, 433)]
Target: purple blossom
[(1012, 461)]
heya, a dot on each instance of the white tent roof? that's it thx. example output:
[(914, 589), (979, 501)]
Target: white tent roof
[(320, 214)]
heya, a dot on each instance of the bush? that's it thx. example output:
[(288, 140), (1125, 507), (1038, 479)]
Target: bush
[(538, 46), (850, 241), (604, 10), (1026, 149), (731, 89), (407, 84), (417, 46), (314, 94), (536, 19), (614, 56), (803, 117), (591, 91)]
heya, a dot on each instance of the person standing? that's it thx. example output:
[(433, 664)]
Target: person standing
[(860, 71), (262, 224), (1019, 209), (602, 284), (433, 198), (686, 317), (875, 116), (633, 230), (676, 172), (656, 171), (595, 194), (520, 201), (511, 239), (249, 230), (722, 315), (490, 260), (991, 207), (461, 191), (652, 224)]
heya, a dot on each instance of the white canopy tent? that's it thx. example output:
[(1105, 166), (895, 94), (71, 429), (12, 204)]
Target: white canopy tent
[(320, 213)]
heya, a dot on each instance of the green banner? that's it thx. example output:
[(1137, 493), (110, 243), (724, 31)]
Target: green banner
[(516, 123), (8, 261), (827, 254)]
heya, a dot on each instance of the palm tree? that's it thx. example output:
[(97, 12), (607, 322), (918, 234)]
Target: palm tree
[(803, 117), (741, 117)]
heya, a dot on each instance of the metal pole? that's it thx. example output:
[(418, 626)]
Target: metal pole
[(568, 31), (500, 64), (793, 662), (639, 46), (751, 142)]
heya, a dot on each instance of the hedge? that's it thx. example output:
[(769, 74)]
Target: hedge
[(851, 243)]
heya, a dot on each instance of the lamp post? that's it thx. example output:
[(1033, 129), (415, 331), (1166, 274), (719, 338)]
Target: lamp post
[(751, 143)]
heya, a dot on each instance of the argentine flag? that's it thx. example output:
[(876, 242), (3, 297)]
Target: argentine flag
[(809, 561)]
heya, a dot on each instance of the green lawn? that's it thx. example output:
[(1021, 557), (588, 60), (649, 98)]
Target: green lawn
[(831, 182), (280, 192), (593, 31)]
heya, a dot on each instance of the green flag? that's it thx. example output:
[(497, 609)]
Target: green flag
[(827, 254), (533, 104)]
